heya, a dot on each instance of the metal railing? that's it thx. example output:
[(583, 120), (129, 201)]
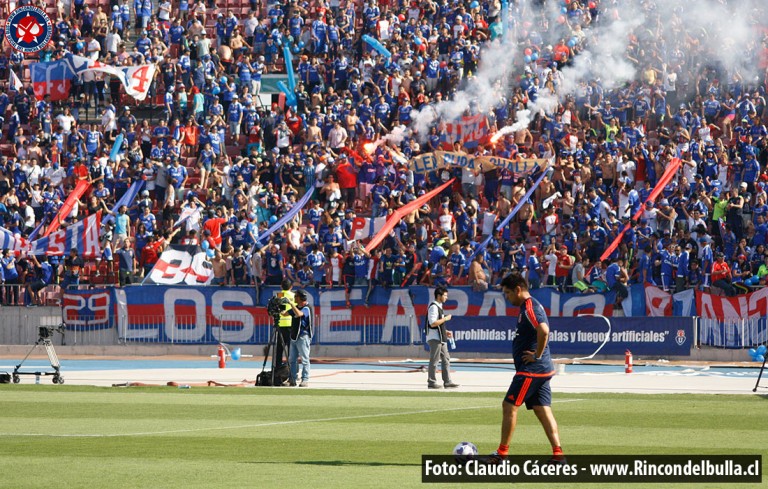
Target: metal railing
[(732, 332), (251, 326)]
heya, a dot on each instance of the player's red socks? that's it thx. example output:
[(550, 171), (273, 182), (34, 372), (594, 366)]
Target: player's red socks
[(557, 451), (503, 450)]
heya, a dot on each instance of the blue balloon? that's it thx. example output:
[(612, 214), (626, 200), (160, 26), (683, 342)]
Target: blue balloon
[(474, 5), (752, 352), (301, 44), (761, 350), (210, 253), (272, 220), (417, 41), (205, 244), (527, 59), (534, 56), (295, 50), (564, 10), (216, 90), (571, 43), (760, 358), (235, 354)]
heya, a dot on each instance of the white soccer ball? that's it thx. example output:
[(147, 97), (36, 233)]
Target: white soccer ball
[(466, 449)]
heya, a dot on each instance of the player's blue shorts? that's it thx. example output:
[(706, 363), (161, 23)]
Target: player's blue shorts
[(534, 391)]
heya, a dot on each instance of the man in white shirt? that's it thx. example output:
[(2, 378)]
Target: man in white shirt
[(437, 337), (94, 48), (65, 121), (108, 120), (337, 136), (112, 42)]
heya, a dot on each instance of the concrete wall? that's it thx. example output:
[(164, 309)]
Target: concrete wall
[(19, 330)]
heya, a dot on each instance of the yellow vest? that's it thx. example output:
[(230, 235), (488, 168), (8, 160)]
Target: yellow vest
[(285, 321)]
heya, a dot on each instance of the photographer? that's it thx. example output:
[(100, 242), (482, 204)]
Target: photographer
[(437, 336), (301, 338)]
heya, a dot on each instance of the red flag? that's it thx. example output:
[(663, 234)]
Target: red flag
[(404, 211), (68, 205), (669, 173)]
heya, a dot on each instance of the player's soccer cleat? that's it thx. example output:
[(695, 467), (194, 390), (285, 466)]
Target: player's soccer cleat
[(493, 459), (557, 460)]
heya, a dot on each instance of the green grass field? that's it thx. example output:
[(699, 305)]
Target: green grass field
[(88, 437)]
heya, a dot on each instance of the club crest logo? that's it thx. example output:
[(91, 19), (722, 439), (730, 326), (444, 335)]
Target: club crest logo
[(28, 29), (680, 339)]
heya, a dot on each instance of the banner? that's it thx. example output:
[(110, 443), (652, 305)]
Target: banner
[(181, 265), (55, 78), (752, 305), (298, 206), (126, 200), (442, 159), (67, 206), (669, 173), (82, 236), (366, 227), (579, 336), (733, 322), (660, 303), (207, 314), (403, 211), (470, 131)]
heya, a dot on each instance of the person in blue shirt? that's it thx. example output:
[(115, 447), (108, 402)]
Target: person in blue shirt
[(616, 279), (44, 274), (535, 271), (597, 239), (669, 261)]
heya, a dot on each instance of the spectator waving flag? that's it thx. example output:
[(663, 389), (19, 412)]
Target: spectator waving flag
[(55, 78), (14, 82), (366, 227)]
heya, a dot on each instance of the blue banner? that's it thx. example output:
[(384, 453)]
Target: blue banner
[(483, 322), (579, 336)]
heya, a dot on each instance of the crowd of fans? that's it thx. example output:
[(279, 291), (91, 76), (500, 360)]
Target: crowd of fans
[(220, 166)]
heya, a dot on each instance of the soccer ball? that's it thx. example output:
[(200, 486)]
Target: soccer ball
[(465, 449)]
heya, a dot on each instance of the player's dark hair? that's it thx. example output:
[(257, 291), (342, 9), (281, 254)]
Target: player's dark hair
[(440, 291), (514, 280)]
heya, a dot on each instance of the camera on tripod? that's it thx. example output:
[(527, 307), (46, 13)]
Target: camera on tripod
[(46, 332)]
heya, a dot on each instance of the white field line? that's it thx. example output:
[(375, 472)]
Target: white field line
[(256, 425)]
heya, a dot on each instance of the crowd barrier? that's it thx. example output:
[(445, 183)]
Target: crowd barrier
[(483, 322)]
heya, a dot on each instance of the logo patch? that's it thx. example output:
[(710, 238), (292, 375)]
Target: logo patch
[(28, 29), (680, 338)]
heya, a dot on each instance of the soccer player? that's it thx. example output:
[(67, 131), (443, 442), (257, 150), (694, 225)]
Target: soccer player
[(534, 369)]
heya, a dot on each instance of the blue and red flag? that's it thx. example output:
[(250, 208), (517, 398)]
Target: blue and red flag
[(54, 79)]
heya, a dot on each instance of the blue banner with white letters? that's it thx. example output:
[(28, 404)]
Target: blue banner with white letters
[(483, 322)]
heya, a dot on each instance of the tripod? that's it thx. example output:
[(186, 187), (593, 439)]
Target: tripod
[(759, 376), (274, 338), (45, 335)]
